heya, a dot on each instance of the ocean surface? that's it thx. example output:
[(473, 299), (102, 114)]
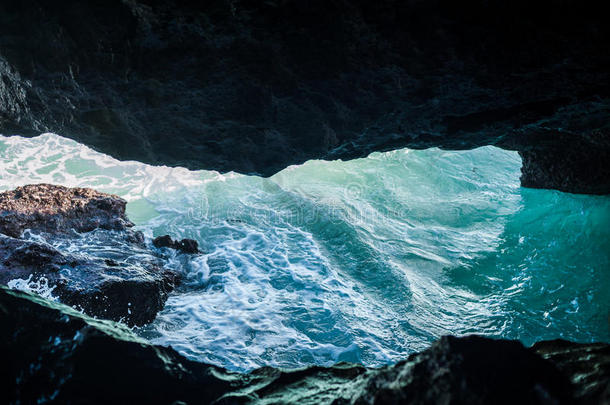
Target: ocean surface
[(364, 261)]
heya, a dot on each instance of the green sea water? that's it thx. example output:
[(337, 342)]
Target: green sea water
[(366, 261)]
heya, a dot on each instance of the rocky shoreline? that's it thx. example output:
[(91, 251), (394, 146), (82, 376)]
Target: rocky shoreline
[(115, 276), (59, 355)]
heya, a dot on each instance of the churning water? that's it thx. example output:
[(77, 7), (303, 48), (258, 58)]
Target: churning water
[(363, 261)]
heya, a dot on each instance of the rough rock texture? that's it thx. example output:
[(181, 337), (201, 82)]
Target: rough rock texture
[(55, 354), (58, 210), (61, 357), (470, 370), (256, 86), (184, 245), (106, 288), (586, 365), (105, 271)]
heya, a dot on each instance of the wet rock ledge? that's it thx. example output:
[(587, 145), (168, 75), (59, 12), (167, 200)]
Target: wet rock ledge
[(78, 245)]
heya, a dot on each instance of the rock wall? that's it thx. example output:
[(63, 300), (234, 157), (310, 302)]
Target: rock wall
[(256, 86)]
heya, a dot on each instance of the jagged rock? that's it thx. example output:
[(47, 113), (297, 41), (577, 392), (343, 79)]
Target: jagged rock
[(469, 370), (53, 354), (58, 210), (567, 162), (60, 356), (122, 290), (586, 365), (185, 245), (256, 86), (464, 370), (124, 281)]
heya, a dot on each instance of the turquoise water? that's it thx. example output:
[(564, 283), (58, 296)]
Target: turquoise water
[(365, 261)]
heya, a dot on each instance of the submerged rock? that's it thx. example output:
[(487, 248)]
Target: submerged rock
[(81, 247), (185, 245), (53, 354)]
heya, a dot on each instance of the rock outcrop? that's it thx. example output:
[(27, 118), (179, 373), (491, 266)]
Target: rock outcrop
[(185, 245), (54, 209), (82, 248), (586, 365), (256, 86), (54, 354), (59, 356)]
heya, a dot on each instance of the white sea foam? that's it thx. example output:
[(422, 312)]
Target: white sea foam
[(366, 260), (38, 286)]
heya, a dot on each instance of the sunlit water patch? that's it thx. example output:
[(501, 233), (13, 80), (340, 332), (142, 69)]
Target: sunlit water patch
[(365, 261)]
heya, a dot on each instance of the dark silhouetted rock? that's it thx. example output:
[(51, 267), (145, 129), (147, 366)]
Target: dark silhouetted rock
[(586, 365), (566, 162), (188, 246), (469, 370), (52, 353), (131, 285), (59, 356), (185, 245), (57, 210), (163, 241), (256, 86)]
